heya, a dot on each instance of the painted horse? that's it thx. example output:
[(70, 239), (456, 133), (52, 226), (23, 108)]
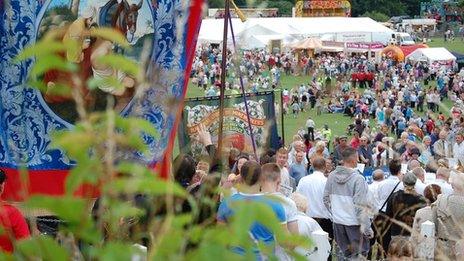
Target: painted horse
[(122, 16)]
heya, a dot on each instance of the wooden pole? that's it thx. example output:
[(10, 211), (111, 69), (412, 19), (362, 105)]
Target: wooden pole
[(223, 78), (282, 115)]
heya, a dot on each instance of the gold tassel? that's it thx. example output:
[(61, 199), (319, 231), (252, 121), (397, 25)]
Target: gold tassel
[(238, 12)]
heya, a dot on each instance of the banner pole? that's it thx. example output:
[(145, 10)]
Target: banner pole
[(242, 87), (223, 78), (282, 116)]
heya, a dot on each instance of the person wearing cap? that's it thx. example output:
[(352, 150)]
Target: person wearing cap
[(12, 222), (383, 153), (78, 32), (343, 144), (402, 207), (365, 152)]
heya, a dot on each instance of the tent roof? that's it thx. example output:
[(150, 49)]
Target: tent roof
[(252, 42), (431, 54), (309, 43), (408, 49), (212, 29), (261, 41), (256, 29)]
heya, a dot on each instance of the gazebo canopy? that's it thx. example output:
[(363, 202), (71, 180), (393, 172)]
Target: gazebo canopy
[(309, 43)]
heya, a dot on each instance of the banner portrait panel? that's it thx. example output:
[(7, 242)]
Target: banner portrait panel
[(205, 111)]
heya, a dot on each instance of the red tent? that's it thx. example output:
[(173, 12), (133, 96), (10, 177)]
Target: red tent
[(407, 49)]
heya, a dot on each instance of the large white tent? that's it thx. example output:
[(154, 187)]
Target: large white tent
[(431, 55), (341, 29)]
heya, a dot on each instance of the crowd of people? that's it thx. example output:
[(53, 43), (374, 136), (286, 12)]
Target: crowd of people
[(400, 165), (321, 191)]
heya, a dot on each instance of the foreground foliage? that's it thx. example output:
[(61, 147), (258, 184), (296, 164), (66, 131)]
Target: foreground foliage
[(110, 231)]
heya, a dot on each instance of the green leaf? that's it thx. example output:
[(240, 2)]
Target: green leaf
[(41, 248), (6, 256), (180, 221), (71, 209), (67, 142), (170, 247), (42, 48), (49, 62), (115, 251), (121, 63), (111, 35), (57, 90), (134, 169), (88, 171), (124, 210)]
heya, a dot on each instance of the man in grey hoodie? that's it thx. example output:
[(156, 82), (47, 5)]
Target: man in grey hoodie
[(345, 196)]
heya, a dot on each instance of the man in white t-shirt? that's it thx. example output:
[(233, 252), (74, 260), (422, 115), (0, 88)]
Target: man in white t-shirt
[(391, 184), (378, 176), (420, 185), (442, 180), (310, 125), (312, 187)]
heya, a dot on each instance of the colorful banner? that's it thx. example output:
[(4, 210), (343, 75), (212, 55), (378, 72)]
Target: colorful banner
[(28, 117), (364, 46), (205, 111)]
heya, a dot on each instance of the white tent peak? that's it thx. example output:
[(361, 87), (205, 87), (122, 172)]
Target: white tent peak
[(211, 30), (256, 30), (431, 55)]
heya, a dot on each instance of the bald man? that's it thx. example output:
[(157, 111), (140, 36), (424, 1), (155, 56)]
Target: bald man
[(420, 183), (442, 180), (378, 176)]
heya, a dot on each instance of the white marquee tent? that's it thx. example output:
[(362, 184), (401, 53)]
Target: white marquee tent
[(342, 29), (431, 55)]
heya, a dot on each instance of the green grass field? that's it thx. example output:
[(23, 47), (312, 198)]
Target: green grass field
[(337, 122), (454, 46)]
